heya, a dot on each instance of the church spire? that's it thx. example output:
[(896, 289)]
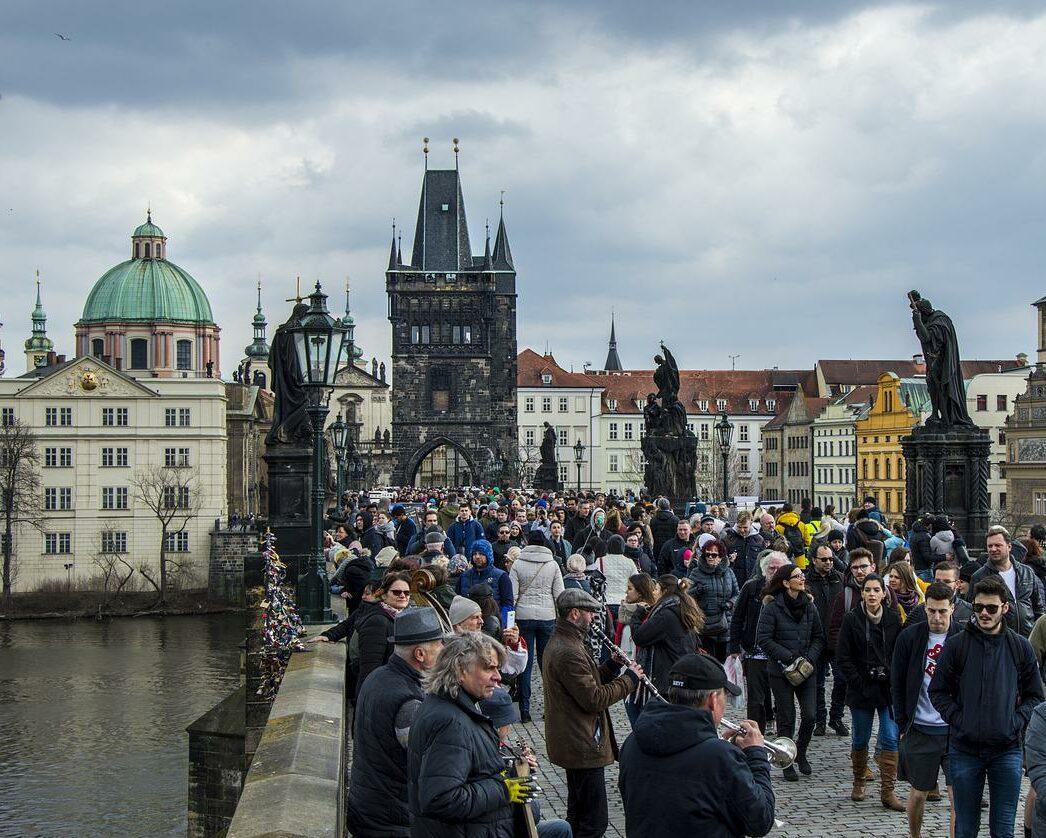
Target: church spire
[(613, 362), (39, 344), (258, 350), (393, 257), (486, 251), (502, 252)]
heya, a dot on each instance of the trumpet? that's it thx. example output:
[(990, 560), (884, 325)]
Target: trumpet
[(782, 749)]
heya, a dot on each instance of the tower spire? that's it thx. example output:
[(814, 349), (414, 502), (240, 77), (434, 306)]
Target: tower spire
[(393, 254), (502, 252), (39, 344), (258, 350), (613, 362)]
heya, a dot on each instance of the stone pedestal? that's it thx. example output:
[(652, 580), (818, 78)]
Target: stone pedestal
[(547, 478), (671, 463), (290, 485), (216, 767), (947, 474)]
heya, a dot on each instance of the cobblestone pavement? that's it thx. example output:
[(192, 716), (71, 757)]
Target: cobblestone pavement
[(818, 805)]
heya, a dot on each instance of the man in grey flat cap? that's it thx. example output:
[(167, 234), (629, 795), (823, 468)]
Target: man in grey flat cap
[(388, 701), (578, 695)]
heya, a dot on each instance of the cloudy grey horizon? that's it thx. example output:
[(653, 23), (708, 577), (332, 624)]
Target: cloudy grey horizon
[(760, 180)]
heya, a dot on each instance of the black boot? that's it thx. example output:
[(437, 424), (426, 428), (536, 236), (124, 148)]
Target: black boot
[(803, 763), (791, 775), (839, 727), (820, 729)]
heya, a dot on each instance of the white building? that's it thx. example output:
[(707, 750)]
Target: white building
[(835, 450), (989, 400)]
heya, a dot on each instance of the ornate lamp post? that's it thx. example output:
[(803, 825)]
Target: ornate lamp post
[(340, 436), (723, 431), (579, 456), (319, 344)]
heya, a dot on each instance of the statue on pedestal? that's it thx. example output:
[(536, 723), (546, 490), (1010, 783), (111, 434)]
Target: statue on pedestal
[(943, 369), (547, 475), (669, 448), (290, 420)]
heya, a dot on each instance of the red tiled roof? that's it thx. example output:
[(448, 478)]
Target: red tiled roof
[(530, 366), (857, 372), (737, 387)]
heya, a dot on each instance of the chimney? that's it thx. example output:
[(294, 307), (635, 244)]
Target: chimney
[(51, 359), (1022, 359), (60, 359), (919, 362)]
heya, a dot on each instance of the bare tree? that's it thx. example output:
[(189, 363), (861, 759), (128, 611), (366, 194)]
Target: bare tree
[(173, 496), (115, 568), (19, 490)]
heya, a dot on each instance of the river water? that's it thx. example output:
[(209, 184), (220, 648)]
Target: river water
[(93, 718)]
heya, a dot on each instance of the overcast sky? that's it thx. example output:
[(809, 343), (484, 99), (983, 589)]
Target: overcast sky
[(758, 179)]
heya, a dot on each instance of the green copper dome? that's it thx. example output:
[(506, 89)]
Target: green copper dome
[(148, 229), (147, 290)]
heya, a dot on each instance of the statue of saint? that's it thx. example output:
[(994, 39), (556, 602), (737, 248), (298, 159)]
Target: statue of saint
[(652, 413), (548, 446), (943, 370), (666, 376), (290, 421)]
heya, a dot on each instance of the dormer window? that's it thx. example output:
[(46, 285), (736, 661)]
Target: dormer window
[(612, 403), (753, 405), (720, 404), (771, 404), (546, 378), (702, 405)]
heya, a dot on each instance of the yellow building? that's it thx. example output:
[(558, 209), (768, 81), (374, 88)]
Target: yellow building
[(899, 404)]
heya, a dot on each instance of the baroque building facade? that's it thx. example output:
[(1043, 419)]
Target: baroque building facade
[(453, 317)]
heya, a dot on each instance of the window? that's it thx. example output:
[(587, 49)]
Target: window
[(982, 402), (562, 434), (612, 404), (562, 473), (528, 404), (175, 497), (148, 251), (114, 458), (114, 542), (58, 543), (58, 498), (753, 405), (720, 404), (184, 417), (875, 468), (563, 404), (114, 416), (461, 335), (1002, 501), (1002, 437), (528, 436), (98, 347), (58, 457), (771, 404), (183, 352), (742, 461), (177, 542), (50, 457), (888, 468), (742, 433), (114, 497), (612, 431), (704, 430), (58, 417), (7, 416), (1000, 403), (140, 353), (612, 464), (176, 457), (421, 334), (441, 390), (546, 404), (704, 462), (702, 405), (864, 469), (629, 430)]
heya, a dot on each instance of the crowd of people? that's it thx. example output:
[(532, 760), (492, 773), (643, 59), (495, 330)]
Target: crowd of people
[(823, 624)]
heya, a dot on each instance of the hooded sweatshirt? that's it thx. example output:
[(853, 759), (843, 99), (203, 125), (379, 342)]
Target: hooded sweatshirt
[(727, 791)]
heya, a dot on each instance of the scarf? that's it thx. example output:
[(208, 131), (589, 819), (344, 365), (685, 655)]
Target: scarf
[(908, 600), (795, 605)]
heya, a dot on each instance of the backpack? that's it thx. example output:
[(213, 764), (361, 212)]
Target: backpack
[(794, 536)]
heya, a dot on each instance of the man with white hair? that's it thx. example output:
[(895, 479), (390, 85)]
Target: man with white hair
[(454, 768)]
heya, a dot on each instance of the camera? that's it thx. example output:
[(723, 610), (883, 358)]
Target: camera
[(878, 674)]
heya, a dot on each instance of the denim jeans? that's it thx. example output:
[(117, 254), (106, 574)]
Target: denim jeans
[(969, 771), (554, 828), (861, 721), (832, 712), (537, 634)]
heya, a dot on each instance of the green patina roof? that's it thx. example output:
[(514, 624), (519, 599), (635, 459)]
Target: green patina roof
[(147, 290), (148, 229)]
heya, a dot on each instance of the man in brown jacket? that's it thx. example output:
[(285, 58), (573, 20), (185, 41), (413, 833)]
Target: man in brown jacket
[(578, 694)]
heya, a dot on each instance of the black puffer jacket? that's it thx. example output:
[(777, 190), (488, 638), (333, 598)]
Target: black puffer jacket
[(919, 547), (374, 630), (663, 528), (715, 589), (824, 588), (745, 618), (785, 637), (376, 800), (661, 639), (747, 548), (454, 786), (857, 653)]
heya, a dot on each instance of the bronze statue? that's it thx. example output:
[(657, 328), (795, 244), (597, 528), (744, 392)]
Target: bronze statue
[(944, 379), (290, 420), (548, 446), (666, 376)]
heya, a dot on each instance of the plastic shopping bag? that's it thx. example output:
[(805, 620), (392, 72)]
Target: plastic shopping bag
[(735, 674)]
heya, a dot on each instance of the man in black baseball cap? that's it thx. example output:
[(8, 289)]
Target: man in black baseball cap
[(728, 790)]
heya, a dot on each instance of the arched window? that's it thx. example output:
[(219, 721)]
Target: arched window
[(147, 256), (875, 468), (139, 354), (888, 469), (98, 347), (900, 468), (184, 354), (137, 250)]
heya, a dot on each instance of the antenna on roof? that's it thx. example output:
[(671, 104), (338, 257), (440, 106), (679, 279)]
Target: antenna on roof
[(425, 151), (733, 360), (455, 153)]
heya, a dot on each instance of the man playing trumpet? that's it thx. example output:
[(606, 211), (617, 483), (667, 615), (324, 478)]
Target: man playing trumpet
[(727, 789)]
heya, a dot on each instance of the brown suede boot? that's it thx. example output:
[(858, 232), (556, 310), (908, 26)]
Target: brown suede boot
[(859, 760), (888, 776)]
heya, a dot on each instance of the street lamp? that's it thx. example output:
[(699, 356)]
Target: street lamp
[(579, 456), (319, 344), (339, 436), (723, 431)]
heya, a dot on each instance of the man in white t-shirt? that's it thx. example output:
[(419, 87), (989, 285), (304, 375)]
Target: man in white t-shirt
[(924, 734)]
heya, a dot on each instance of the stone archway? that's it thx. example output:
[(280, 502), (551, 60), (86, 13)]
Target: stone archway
[(441, 462)]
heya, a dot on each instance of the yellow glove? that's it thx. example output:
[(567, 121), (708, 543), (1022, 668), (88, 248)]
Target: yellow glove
[(520, 790)]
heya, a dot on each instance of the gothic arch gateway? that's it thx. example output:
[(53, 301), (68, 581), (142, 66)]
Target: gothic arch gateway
[(441, 462)]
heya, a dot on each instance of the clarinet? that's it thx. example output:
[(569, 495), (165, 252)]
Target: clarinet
[(617, 650)]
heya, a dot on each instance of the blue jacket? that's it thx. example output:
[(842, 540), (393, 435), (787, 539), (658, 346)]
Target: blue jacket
[(499, 581), (727, 791), (984, 690), (405, 533), (463, 533)]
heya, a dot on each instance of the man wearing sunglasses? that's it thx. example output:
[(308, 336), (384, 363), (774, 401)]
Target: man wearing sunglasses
[(985, 688)]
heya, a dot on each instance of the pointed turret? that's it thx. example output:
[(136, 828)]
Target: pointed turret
[(393, 253), (487, 262), (502, 252), (613, 362), (258, 349), (39, 344), (441, 238)]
